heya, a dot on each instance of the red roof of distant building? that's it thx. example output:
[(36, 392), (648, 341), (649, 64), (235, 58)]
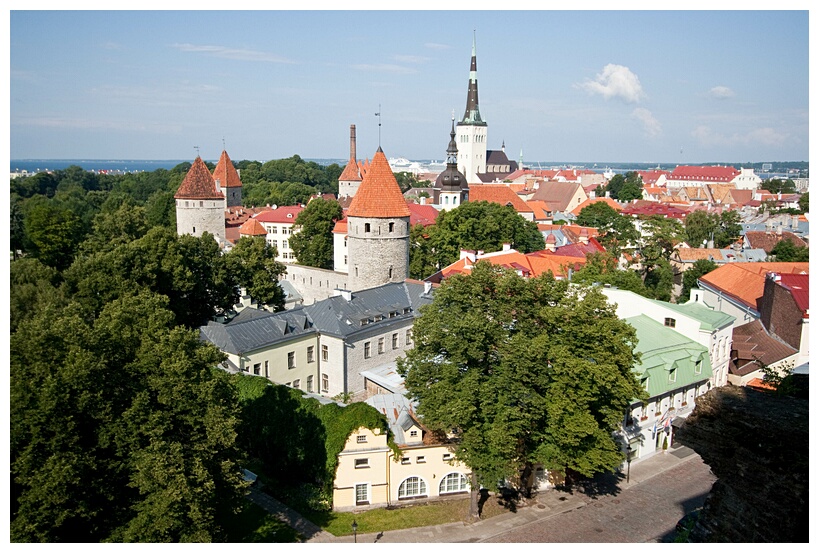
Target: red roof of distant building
[(351, 172), (799, 287), (282, 214), (198, 184), (651, 177), (423, 214), (498, 194), (612, 203), (532, 264), (226, 173), (379, 195), (252, 227), (715, 173), (647, 209), (745, 282)]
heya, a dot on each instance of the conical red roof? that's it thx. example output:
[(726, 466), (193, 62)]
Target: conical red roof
[(252, 227), (198, 184), (378, 194), (351, 172), (226, 173)]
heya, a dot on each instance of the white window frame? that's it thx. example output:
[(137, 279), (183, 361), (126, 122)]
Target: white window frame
[(421, 491), (365, 486), (462, 484)]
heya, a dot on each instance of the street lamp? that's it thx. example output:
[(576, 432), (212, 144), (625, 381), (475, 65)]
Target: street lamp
[(355, 528), (628, 462)]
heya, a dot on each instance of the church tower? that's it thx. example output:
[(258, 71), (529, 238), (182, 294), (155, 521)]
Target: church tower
[(350, 178), (227, 181), (472, 130), (378, 227), (451, 188), (200, 206)]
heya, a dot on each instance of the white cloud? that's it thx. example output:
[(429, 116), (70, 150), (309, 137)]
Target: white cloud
[(721, 92), (616, 81), (231, 53), (651, 126)]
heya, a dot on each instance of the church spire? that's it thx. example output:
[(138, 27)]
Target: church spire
[(452, 148), (472, 115)]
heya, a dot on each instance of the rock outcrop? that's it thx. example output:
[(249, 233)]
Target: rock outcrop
[(756, 444)]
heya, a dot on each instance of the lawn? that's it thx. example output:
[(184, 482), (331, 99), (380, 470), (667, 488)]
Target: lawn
[(255, 525)]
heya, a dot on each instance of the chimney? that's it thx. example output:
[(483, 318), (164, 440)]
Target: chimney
[(346, 294), (427, 287), (507, 246), (469, 255), (352, 142), (550, 243), (584, 236)]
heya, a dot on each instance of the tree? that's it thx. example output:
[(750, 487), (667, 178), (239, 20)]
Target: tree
[(728, 230), (111, 229), (121, 430), (701, 227), (312, 239), (804, 203), (527, 372), (659, 280), (660, 238), (785, 250), (617, 231), (251, 264), (777, 186), (53, 232), (602, 268), (422, 258), (481, 226), (691, 275), (625, 187)]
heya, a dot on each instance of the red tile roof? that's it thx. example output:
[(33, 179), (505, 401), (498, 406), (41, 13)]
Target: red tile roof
[(751, 342), (745, 282), (282, 214), (226, 173), (799, 287), (378, 195), (252, 227), (423, 214), (351, 172), (651, 177), (498, 194), (532, 264), (198, 184), (767, 240), (613, 203), (704, 173)]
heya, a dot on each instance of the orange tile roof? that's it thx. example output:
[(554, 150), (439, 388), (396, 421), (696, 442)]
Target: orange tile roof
[(252, 227), (226, 173), (351, 172), (498, 194), (746, 281), (282, 214), (695, 254), (378, 194), (340, 226), (704, 172), (531, 264), (198, 184), (541, 209)]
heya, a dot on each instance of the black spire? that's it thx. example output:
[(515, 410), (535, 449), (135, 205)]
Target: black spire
[(472, 115), (452, 180)]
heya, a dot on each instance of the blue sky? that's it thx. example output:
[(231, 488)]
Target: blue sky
[(603, 86)]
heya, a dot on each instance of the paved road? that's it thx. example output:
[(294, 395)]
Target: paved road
[(644, 512)]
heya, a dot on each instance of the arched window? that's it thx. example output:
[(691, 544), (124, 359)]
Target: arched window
[(412, 487), (454, 482)]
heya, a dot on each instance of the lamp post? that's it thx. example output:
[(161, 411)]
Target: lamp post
[(628, 462), (355, 529)]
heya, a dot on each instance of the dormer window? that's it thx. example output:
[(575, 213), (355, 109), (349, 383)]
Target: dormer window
[(670, 323)]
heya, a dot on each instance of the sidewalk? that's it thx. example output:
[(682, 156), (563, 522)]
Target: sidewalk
[(548, 504)]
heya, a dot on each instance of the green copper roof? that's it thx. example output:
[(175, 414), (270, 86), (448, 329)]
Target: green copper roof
[(711, 319), (669, 360)]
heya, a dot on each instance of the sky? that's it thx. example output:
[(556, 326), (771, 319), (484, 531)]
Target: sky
[(627, 85)]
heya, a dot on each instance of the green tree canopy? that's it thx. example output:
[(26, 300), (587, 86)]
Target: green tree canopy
[(312, 239), (527, 371), (617, 232), (785, 250), (602, 268), (481, 226), (804, 203), (422, 258), (53, 233), (701, 267), (251, 264), (120, 428), (701, 227)]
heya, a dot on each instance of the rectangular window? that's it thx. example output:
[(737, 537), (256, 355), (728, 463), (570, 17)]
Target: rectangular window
[(310, 384), (273, 230), (362, 463), (366, 350), (395, 340), (409, 337), (310, 350), (325, 383), (361, 439), (413, 433), (447, 457), (325, 353), (362, 494), (257, 368), (284, 244), (296, 384), (275, 244), (671, 323), (291, 360), (381, 345), (267, 368), (405, 460), (420, 459)]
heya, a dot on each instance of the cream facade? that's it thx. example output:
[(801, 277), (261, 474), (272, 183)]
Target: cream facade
[(370, 475)]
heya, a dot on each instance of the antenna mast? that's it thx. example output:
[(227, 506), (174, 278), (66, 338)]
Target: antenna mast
[(379, 124)]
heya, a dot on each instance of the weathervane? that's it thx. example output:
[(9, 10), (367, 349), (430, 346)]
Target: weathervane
[(379, 124), (223, 142), (197, 150)]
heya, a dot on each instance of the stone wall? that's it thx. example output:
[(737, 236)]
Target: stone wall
[(379, 255), (756, 444), (315, 284)]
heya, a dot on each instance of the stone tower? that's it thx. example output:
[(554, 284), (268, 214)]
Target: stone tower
[(350, 178), (227, 181), (378, 227), (451, 188), (472, 130), (200, 206)]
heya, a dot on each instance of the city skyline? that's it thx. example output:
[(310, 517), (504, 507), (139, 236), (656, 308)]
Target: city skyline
[(615, 86)]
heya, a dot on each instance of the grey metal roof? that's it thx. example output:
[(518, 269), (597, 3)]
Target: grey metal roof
[(387, 377), (254, 329), (396, 408), (338, 317)]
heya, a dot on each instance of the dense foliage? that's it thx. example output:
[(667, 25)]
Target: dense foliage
[(702, 227), (617, 232), (312, 239), (526, 371)]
